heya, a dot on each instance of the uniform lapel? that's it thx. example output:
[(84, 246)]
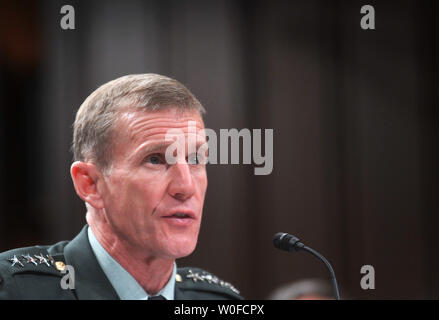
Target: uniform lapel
[(178, 293), (90, 281), (182, 294)]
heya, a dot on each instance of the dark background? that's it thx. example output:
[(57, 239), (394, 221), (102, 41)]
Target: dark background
[(354, 114)]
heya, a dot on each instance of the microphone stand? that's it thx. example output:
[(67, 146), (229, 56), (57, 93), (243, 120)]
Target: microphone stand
[(328, 265), (288, 242)]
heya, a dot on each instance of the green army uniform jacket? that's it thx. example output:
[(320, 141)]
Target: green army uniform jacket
[(36, 273)]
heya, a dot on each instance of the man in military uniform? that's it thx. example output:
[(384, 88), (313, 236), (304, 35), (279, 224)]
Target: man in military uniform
[(144, 202)]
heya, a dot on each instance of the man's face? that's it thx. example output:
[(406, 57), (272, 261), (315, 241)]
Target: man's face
[(152, 206)]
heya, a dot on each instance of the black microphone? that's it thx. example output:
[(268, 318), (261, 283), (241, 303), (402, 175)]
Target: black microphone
[(288, 242)]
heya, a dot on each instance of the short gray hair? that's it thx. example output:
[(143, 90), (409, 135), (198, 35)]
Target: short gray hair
[(98, 114)]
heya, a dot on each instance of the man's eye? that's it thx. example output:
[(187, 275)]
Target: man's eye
[(154, 159), (193, 159)]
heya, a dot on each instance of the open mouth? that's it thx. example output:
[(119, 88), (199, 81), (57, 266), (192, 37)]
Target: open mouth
[(180, 219), (179, 215)]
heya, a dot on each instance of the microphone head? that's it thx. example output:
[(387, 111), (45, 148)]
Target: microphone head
[(277, 239), (285, 241)]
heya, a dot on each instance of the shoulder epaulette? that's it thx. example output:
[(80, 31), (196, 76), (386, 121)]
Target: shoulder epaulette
[(198, 279), (35, 259)]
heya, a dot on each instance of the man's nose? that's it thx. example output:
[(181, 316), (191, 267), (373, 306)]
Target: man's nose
[(182, 185)]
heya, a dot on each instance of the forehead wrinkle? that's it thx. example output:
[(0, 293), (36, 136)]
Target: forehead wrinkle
[(144, 129), (158, 138), (132, 119), (160, 121), (138, 127)]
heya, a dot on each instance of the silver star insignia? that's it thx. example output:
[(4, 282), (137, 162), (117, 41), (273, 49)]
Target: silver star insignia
[(15, 260), (228, 285), (52, 261), (29, 259), (210, 279), (42, 259), (194, 276)]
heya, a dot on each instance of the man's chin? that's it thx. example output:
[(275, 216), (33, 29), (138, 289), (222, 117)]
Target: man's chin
[(180, 249)]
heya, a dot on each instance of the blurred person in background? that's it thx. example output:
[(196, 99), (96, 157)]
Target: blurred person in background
[(306, 289)]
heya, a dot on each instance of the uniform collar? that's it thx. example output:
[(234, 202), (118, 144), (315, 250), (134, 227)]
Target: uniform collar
[(91, 282), (122, 281)]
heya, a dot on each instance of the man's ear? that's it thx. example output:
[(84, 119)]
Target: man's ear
[(85, 177)]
